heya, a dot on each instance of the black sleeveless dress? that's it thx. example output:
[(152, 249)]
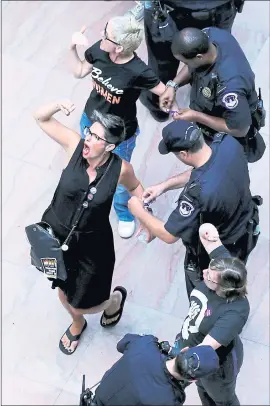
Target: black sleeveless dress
[(90, 258)]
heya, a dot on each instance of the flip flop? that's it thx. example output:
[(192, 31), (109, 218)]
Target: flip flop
[(71, 339), (118, 313)]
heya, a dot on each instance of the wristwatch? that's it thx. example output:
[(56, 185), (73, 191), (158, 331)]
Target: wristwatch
[(165, 347), (171, 83)]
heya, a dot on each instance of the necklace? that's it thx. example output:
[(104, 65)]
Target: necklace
[(93, 189)]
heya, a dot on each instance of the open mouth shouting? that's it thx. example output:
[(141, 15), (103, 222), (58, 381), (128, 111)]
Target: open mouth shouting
[(86, 150)]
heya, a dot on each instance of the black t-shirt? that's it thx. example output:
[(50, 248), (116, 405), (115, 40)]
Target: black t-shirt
[(117, 87), (213, 315)]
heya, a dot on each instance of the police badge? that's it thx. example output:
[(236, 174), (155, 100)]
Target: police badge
[(206, 92)]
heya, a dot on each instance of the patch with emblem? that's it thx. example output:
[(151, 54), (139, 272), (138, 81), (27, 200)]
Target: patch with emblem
[(206, 92), (230, 100), (49, 266), (185, 208)]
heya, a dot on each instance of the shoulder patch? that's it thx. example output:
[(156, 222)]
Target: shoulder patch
[(185, 208), (230, 100)]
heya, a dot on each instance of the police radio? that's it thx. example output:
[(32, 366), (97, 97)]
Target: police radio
[(239, 4), (261, 109), (86, 396)]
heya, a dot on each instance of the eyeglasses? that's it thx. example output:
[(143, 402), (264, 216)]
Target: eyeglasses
[(106, 36), (87, 132)]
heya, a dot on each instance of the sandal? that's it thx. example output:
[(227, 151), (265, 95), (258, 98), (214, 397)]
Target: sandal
[(119, 312), (68, 351)]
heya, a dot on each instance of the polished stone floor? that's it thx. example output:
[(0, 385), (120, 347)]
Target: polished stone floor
[(36, 70)]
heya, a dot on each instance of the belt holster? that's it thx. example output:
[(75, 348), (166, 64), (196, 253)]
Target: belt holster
[(201, 15)]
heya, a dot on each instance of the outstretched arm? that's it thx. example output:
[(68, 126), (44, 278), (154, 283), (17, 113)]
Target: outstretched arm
[(176, 182)]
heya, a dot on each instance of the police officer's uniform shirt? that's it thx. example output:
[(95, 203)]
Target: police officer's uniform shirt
[(140, 377), (213, 315), (235, 97), (219, 190), (117, 87)]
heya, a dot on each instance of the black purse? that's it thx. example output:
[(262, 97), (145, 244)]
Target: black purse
[(255, 146), (46, 250)]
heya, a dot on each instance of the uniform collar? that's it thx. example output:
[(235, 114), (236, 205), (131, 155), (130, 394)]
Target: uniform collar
[(207, 69), (207, 165), (178, 385)]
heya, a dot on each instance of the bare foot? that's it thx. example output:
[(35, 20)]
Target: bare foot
[(113, 308)]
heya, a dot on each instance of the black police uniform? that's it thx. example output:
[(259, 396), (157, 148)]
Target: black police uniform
[(227, 88), (186, 13), (218, 193), (140, 377)]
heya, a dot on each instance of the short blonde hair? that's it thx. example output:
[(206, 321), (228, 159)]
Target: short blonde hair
[(127, 32)]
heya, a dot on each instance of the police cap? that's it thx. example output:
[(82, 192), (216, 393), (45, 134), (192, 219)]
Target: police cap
[(201, 361), (178, 136)]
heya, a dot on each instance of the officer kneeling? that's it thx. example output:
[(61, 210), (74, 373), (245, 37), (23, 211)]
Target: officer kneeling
[(146, 375)]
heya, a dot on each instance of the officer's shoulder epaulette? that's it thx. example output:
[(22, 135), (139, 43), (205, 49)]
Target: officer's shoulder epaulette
[(206, 30), (218, 137), (194, 189)]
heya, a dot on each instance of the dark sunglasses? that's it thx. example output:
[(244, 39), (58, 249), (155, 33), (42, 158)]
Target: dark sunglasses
[(87, 132), (106, 36)]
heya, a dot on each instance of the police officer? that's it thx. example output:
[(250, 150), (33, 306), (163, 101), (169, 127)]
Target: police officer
[(216, 190), (186, 13), (146, 375), (223, 95)]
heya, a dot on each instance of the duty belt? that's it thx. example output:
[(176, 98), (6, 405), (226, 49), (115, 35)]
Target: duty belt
[(190, 12)]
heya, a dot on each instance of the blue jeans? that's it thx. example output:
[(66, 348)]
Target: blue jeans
[(124, 151)]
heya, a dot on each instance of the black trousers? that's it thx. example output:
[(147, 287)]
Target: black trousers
[(165, 65), (195, 263), (218, 389)]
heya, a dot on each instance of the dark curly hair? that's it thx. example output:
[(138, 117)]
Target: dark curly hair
[(232, 277)]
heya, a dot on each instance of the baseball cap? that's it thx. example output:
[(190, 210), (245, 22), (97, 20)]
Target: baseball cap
[(178, 136), (200, 361)]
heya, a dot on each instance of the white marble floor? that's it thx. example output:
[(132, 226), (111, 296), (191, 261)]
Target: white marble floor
[(36, 36)]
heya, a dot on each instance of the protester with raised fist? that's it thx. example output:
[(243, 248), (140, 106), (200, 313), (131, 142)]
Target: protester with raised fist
[(118, 77)]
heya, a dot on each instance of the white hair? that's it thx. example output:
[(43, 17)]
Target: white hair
[(127, 32)]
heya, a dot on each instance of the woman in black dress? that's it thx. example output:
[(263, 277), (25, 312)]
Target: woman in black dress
[(93, 171)]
